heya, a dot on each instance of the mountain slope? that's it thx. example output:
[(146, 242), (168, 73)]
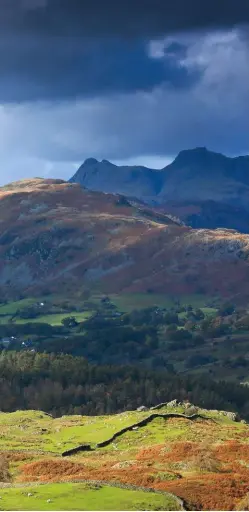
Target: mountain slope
[(56, 234), (218, 186)]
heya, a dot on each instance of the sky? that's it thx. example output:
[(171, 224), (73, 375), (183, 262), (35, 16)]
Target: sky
[(133, 82)]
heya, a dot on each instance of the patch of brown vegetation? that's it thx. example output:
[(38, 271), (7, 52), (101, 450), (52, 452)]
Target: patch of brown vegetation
[(182, 451), (243, 504), (204, 491), (17, 456), (152, 453), (50, 470), (213, 476), (208, 491), (232, 451)]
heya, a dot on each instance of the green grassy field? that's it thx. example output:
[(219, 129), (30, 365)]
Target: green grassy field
[(157, 432), (5, 319), (12, 307), (125, 302), (32, 430), (209, 311), (70, 496), (55, 319), (7, 311), (130, 301)]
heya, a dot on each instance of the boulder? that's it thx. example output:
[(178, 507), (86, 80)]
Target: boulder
[(173, 403), (142, 408), (231, 415), (187, 405)]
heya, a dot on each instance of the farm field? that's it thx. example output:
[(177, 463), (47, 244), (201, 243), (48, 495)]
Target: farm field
[(55, 319), (124, 301), (128, 302), (13, 306), (9, 312)]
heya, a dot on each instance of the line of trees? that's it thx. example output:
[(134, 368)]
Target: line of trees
[(63, 384)]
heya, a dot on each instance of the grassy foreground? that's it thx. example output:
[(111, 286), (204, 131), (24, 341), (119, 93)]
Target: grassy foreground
[(37, 430), (66, 496), (203, 461)]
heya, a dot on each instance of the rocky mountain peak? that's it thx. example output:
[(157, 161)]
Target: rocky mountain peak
[(197, 156), (90, 161)]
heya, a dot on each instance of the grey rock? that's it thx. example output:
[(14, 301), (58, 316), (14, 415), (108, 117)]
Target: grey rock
[(187, 405), (231, 415), (173, 403)]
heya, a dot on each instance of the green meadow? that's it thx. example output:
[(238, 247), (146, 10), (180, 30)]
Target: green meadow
[(37, 431), (130, 301), (81, 496)]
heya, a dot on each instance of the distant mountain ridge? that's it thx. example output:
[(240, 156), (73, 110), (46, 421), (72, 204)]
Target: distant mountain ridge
[(206, 189), (104, 176)]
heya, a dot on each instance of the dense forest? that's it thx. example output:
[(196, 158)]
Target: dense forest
[(62, 384)]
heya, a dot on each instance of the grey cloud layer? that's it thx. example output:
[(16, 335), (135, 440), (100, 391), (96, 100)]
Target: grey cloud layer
[(162, 121), (146, 18)]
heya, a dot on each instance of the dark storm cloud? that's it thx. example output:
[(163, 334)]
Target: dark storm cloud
[(83, 48), (33, 68), (145, 18), (48, 138)]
